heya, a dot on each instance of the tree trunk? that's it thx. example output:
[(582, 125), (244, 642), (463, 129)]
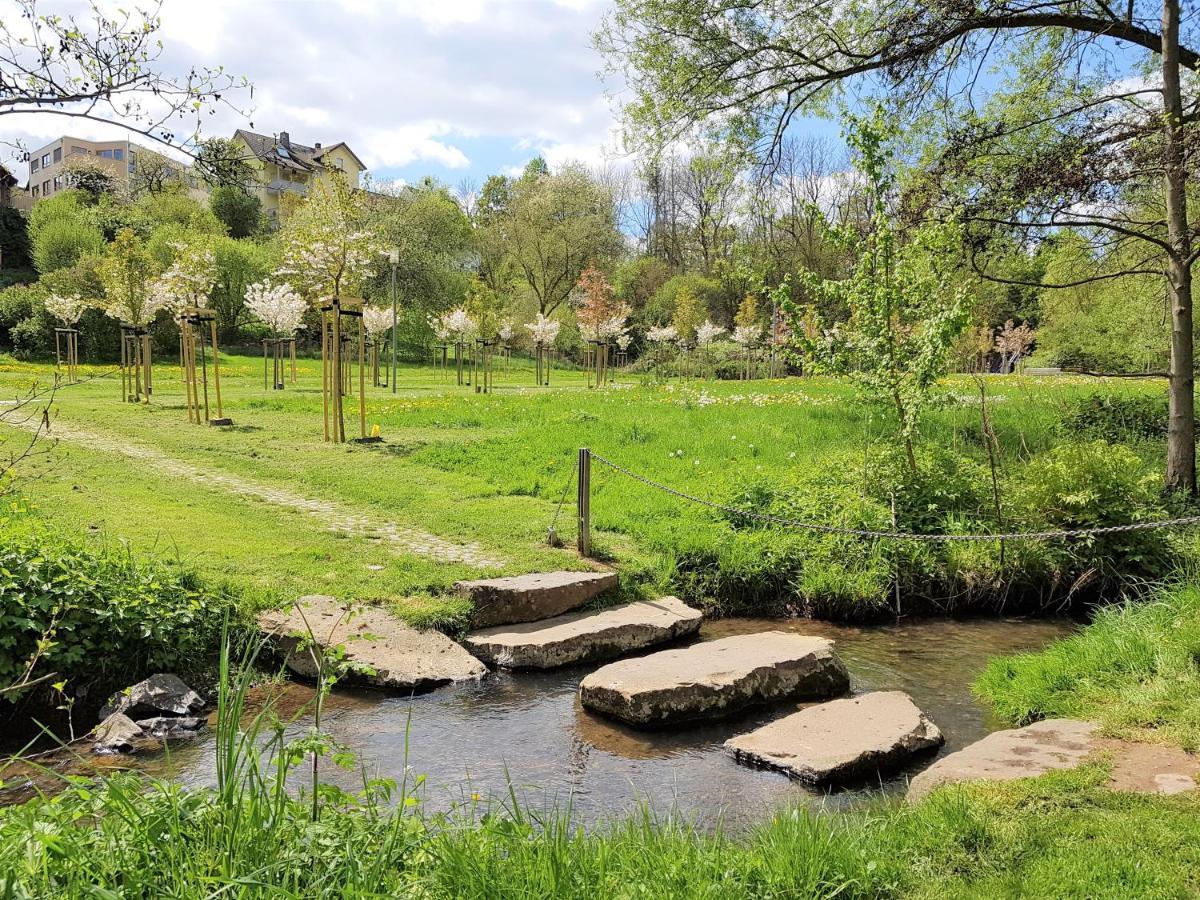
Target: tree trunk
[(1181, 428)]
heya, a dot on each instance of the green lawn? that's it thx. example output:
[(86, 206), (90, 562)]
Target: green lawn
[(481, 470)]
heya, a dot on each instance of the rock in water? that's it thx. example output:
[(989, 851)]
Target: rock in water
[(172, 727), (158, 695), (382, 650), (116, 734), (528, 598), (586, 636), (716, 678), (835, 742)]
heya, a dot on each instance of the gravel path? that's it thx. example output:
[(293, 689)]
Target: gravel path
[(336, 517)]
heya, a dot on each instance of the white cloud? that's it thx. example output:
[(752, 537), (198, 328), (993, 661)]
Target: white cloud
[(403, 82)]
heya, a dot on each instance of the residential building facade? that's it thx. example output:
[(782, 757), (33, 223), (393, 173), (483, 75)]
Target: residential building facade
[(288, 170), (48, 164)]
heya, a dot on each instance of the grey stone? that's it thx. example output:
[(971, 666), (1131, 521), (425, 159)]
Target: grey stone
[(528, 598), (585, 636), (1063, 744), (841, 740), (172, 727), (158, 695), (116, 734), (381, 650), (715, 678)]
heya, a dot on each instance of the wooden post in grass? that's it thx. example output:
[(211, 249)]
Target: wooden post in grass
[(66, 347), (198, 332), (583, 501), (340, 319)]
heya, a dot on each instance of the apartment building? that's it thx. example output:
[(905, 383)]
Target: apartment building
[(285, 168), (47, 165)]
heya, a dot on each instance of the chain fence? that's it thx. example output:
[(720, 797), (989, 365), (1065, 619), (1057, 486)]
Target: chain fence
[(1066, 534)]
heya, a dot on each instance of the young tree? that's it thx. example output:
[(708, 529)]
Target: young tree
[(277, 306), (1092, 130), (688, 315), (905, 313), (128, 272)]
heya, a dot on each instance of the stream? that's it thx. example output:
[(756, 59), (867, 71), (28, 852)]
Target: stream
[(528, 728)]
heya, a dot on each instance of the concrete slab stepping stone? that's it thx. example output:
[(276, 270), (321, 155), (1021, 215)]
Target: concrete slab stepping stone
[(401, 657), (841, 740), (528, 598), (585, 636), (1061, 744), (715, 678)]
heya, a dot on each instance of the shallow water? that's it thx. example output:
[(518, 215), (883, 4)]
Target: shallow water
[(529, 728)]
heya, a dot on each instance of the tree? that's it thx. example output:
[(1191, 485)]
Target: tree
[(127, 272), (89, 176), (553, 227), (239, 264), (688, 315), (1093, 129), (62, 241), (237, 209), (222, 162), (103, 68), (905, 313), (154, 174)]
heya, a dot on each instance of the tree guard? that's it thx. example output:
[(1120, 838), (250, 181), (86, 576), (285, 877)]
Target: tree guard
[(341, 324), (482, 365), (136, 378), (542, 363), (279, 351), (197, 336), (66, 345)]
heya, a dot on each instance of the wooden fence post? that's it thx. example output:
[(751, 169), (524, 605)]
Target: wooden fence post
[(583, 502)]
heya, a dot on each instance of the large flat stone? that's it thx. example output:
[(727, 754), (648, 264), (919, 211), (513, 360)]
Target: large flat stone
[(715, 678), (398, 656), (1062, 744), (528, 598), (585, 636), (841, 740), (1016, 753)]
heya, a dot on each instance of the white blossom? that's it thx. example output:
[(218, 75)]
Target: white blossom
[(623, 342), (707, 333), (746, 335), (456, 325), (277, 305), (189, 281), (663, 334), (544, 330), (377, 320), (68, 309), (506, 331)]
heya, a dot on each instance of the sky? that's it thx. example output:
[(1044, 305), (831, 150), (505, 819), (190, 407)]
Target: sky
[(457, 89)]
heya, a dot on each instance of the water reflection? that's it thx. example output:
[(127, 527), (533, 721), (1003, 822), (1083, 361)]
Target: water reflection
[(529, 728)]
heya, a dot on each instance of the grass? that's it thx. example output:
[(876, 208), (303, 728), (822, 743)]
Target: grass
[(491, 469), (1135, 669)]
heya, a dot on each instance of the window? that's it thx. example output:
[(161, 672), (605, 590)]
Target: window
[(58, 154), (118, 154), (36, 191), (45, 188), (132, 160), (45, 160), (107, 154), (338, 162), (58, 182), (33, 165)]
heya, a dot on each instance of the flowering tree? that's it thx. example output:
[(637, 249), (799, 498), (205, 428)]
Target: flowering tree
[(67, 308), (600, 316), (276, 305), (377, 320), (746, 336), (127, 272), (543, 330), (1012, 342), (662, 334), (707, 333), (905, 313), (505, 332), (190, 280)]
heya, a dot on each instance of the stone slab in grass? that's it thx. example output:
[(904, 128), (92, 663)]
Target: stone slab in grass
[(529, 598), (399, 657), (1056, 744), (842, 740), (715, 678), (585, 636)]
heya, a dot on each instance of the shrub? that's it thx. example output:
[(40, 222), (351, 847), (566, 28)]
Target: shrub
[(1117, 417), (14, 240), (63, 242), (238, 210), (106, 617)]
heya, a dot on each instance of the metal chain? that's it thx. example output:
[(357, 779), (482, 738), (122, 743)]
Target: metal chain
[(898, 535)]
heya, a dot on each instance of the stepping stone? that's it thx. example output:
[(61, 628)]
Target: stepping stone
[(1062, 744), (715, 678), (585, 636), (528, 598), (399, 657), (841, 740)]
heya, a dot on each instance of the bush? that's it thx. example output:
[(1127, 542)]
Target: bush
[(107, 618), (14, 240), (238, 210), (63, 242), (1117, 417)]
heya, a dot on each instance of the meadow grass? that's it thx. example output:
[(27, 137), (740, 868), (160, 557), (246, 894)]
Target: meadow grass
[(1135, 669), (491, 470)]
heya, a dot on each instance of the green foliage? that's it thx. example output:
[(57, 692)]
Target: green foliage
[(239, 264), (1117, 418), (99, 616), (688, 315), (63, 242), (1135, 669), (177, 209), (222, 162), (707, 294), (905, 313), (237, 209), (88, 175)]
